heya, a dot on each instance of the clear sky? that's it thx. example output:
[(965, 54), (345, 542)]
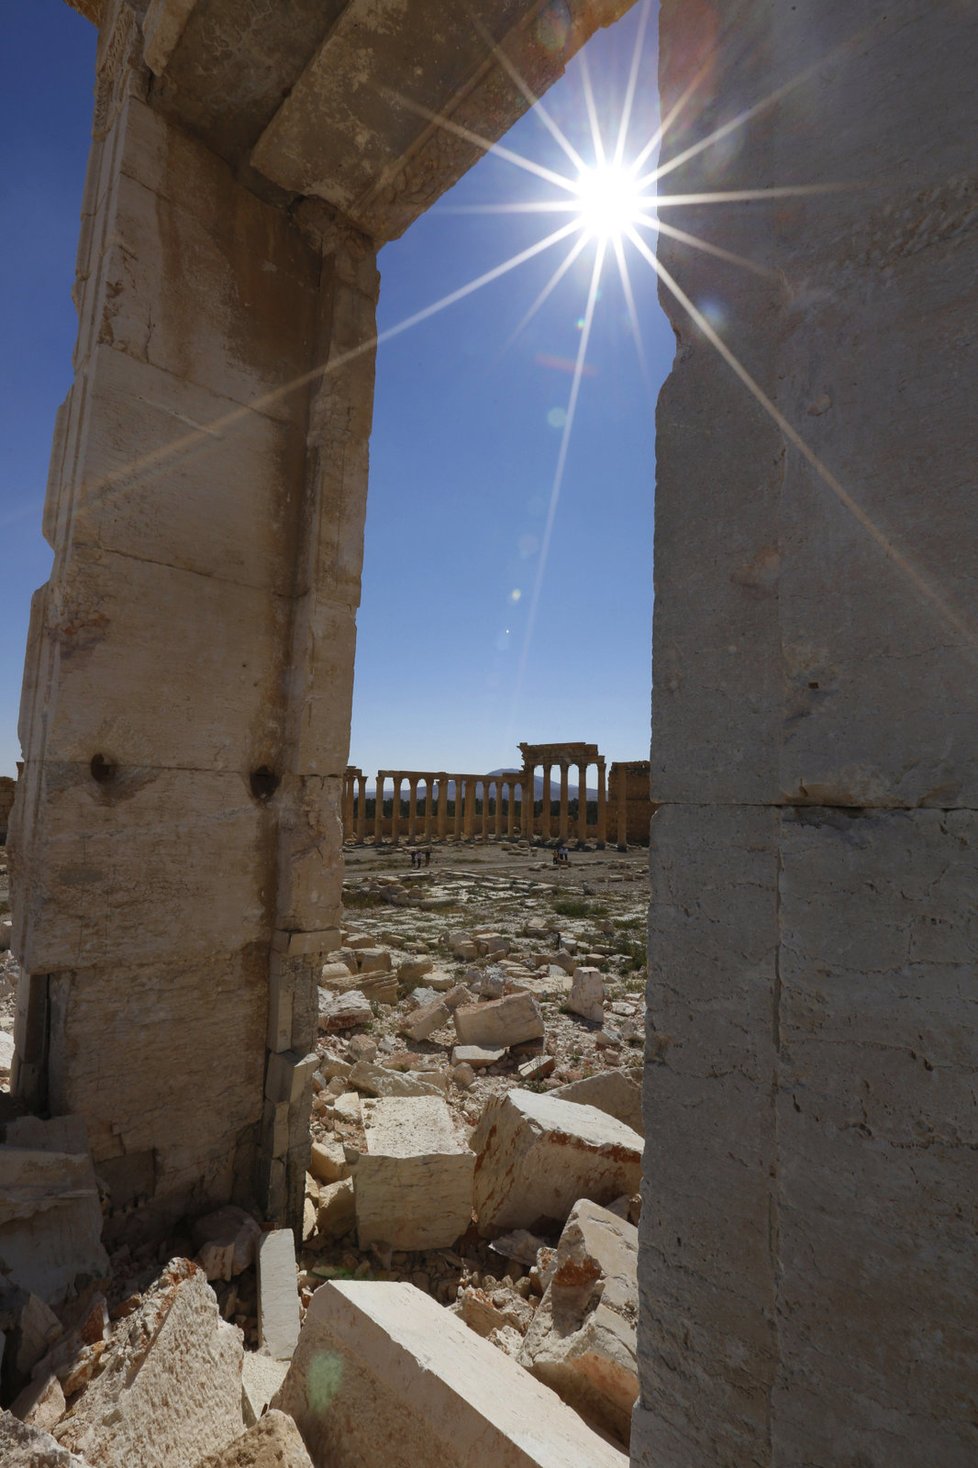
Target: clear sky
[(470, 639)]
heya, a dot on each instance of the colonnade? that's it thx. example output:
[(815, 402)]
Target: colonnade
[(421, 804)]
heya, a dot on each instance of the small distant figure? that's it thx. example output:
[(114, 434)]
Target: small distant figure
[(556, 860), (557, 943), (564, 855)]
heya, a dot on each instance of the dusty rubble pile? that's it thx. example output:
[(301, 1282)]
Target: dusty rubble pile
[(476, 1141)]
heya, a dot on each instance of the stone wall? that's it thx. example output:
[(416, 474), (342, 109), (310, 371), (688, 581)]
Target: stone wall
[(807, 1283), (630, 801), (8, 788)]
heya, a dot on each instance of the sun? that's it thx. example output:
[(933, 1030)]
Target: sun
[(610, 200)]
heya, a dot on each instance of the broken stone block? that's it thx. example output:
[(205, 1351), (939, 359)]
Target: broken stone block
[(41, 1404), (484, 1312), (327, 1161), (384, 1375), (500, 1022), (272, 1442), (362, 1047), (278, 1296), (227, 1239), (379, 988), (337, 974), (347, 1106), (464, 1076), (50, 1215), (373, 961), (537, 1155), (586, 996), (476, 1056), (335, 1214), (37, 1329), (413, 1184), (410, 970), (261, 1378), (377, 1080), (582, 1340), (343, 1011), (537, 1068), (170, 1388), (23, 1446), (423, 1022), (614, 1092)]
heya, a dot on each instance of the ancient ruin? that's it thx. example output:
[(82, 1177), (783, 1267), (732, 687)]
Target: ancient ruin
[(805, 1267), (425, 804)]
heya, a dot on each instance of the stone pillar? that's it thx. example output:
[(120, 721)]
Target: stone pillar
[(459, 803), (469, 817), (582, 802), (602, 831), (807, 1285), (429, 806), (379, 809), (348, 787), (563, 825), (527, 810), (213, 442), (442, 806), (396, 809), (412, 811), (622, 804), (485, 810), (361, 808), (546, 829), (499, 808)]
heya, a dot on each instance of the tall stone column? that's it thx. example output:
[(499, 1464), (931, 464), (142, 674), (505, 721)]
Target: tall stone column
[(602, 830), (379, 808), (546, 826), (563, 825), (621, 804), (396, 809), (816, 847), (348, 788), (582, 802), (412, 811), (485, 810), (457, 782), (499, 808), (211, 447), (442, 806), (469, 817), (361, 808)]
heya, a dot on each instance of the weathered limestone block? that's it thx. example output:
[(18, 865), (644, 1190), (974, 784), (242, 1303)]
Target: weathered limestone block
[(24, 1446), (170, 1391), (586, 996), (614, 1092), (414, 1182), (423, 1022), (500, 1022), (278, 1296), (272, 1442), (50, 1218), (327, 1161), (261, 1378), (582, 1341), (228, 1239), (41, 1403), (382, 1374), (333, 1214), (478, 1056), (538, 1155), (343, 1011), (377, 1080)]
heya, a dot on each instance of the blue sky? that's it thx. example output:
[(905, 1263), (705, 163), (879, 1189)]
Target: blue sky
[(466, 441)]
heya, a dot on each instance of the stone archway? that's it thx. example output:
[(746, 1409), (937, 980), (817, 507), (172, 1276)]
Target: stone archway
[(186, 704)]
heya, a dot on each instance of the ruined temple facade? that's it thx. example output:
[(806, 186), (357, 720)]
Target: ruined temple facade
[(807, 1272), (425, 804), (630, 796)]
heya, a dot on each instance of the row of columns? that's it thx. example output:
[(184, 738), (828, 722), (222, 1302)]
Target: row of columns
[(507, 809), (582, 828)]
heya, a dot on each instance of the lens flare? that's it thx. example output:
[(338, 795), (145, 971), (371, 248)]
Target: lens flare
[(610, 200)]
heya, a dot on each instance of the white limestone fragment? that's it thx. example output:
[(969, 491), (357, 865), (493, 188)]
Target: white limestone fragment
[(538, 1155), (278, 1297), (582, 1340), (170, 1390), (24, 1446), (586, 996), (272, 1442), (500, 1022), (413, 1184), (384, 1375)]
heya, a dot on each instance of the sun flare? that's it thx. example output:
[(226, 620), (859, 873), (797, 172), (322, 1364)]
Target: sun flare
[(610, 200)]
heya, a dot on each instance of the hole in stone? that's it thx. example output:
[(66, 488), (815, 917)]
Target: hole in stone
[(813, 685), (264, 783), (103, 770)]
